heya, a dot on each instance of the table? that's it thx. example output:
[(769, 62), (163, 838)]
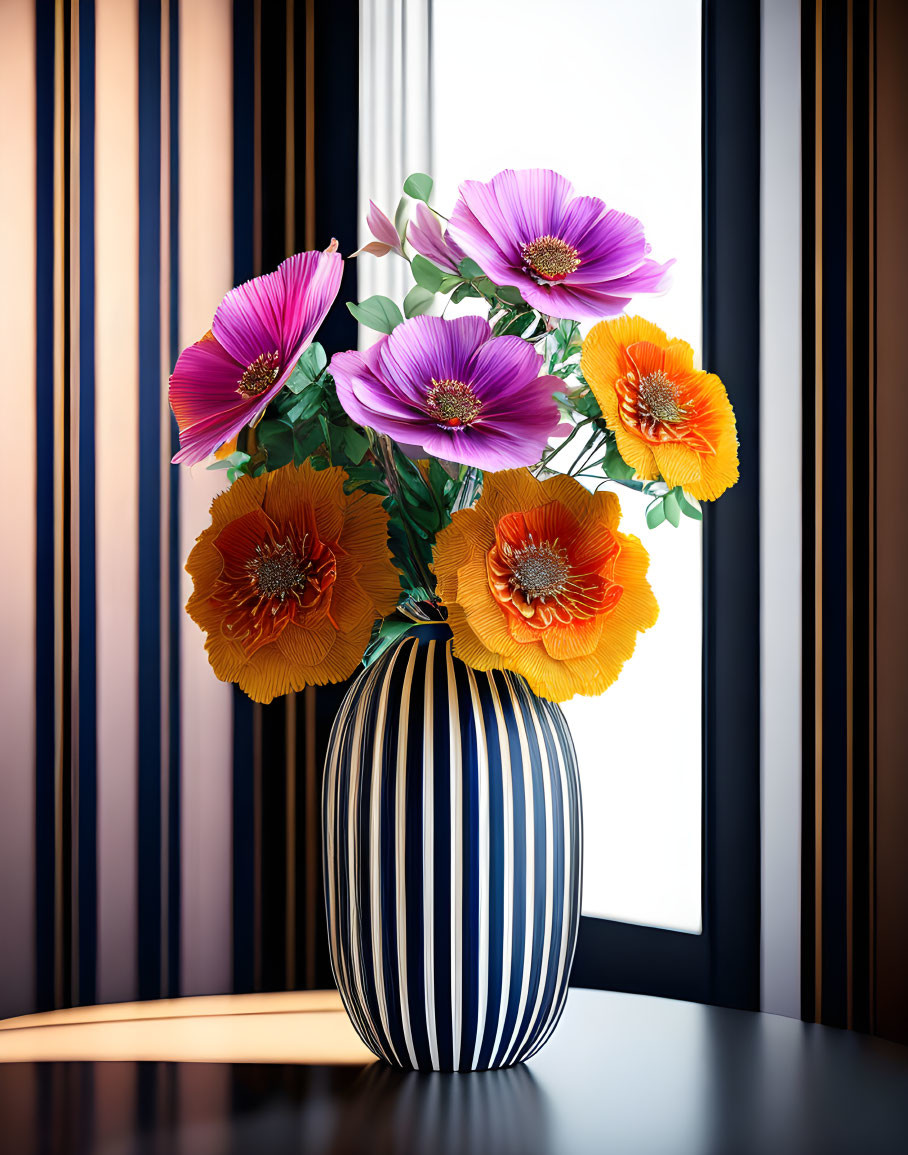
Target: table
[(623, 1074)]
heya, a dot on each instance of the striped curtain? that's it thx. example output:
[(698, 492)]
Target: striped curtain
[(158, 833)]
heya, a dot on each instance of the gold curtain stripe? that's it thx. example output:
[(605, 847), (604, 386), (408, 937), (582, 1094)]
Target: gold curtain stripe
[(73, 384), (59, 545)]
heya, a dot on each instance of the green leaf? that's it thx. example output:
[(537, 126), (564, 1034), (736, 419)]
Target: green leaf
[(690, 507), (400, 217), (469, 269), (355, 444), (448, 283), (464, 290), (236, 460), (671, 508), (305, 408), (305, 442), (313, 360), (276, 438), (419, 186), (377, 313), (655, 513), (515, 324), (510, 294), (586, 404), (615, 465), (417, 301), (427, 274)]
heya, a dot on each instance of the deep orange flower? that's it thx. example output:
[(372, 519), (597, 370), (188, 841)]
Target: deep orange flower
[(289, 579), (537, 579), (670, 420)]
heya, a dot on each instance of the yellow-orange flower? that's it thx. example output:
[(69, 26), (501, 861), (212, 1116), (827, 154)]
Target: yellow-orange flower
[(289, 579), (670, 420), (537, 579)]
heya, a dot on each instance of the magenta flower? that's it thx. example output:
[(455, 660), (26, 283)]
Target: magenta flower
[(425, 235), (224, 381), (453, 389), (569, 256)]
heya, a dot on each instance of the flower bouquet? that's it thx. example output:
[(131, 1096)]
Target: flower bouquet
[(441, 509)]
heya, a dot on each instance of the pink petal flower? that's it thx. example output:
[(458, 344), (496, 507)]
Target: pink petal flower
[(453, 389), (225, 381), (382, 228), (569, 256), (425, 235)]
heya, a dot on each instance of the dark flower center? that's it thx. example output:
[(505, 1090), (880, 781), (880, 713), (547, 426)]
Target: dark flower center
[(271, 577), (281, 569), (656, 400), (452, 404), (551, 258), (539, 570), (259, 376)]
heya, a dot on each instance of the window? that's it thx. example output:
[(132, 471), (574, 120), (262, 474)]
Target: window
[(655, 106), (616, 134)]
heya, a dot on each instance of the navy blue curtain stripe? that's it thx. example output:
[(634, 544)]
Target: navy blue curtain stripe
[(175, 603), (149, 449), (45, 631)]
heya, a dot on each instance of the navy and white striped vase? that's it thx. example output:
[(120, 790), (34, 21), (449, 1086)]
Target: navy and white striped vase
[(452, 856)]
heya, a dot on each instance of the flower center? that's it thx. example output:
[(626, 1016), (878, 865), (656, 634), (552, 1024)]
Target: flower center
[(551, 258), (281, 568), (539, 570), (452, 403), (259, 376), (656, 400)]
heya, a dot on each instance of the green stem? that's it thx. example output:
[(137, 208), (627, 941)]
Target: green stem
[(422, 575)]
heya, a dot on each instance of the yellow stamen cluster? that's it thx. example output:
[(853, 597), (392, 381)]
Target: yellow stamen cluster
[(259, 376)]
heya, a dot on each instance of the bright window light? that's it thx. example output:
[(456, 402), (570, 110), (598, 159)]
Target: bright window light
[(608, 93)]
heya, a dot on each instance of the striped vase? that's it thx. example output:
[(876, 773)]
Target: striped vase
[(452, 856)]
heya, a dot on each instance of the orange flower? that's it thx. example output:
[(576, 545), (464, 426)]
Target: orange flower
[(537, 579), (289, 579), (670, 420)]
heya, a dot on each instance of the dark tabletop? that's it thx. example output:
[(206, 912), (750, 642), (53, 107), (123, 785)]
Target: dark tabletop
[(623, 1074)]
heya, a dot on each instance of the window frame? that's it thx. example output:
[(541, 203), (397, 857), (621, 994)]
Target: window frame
[(720, 965)]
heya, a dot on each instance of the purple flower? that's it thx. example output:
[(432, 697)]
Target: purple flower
[(453, 389), (425, 235), (386, 238), (224, 381), (569, 256)]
